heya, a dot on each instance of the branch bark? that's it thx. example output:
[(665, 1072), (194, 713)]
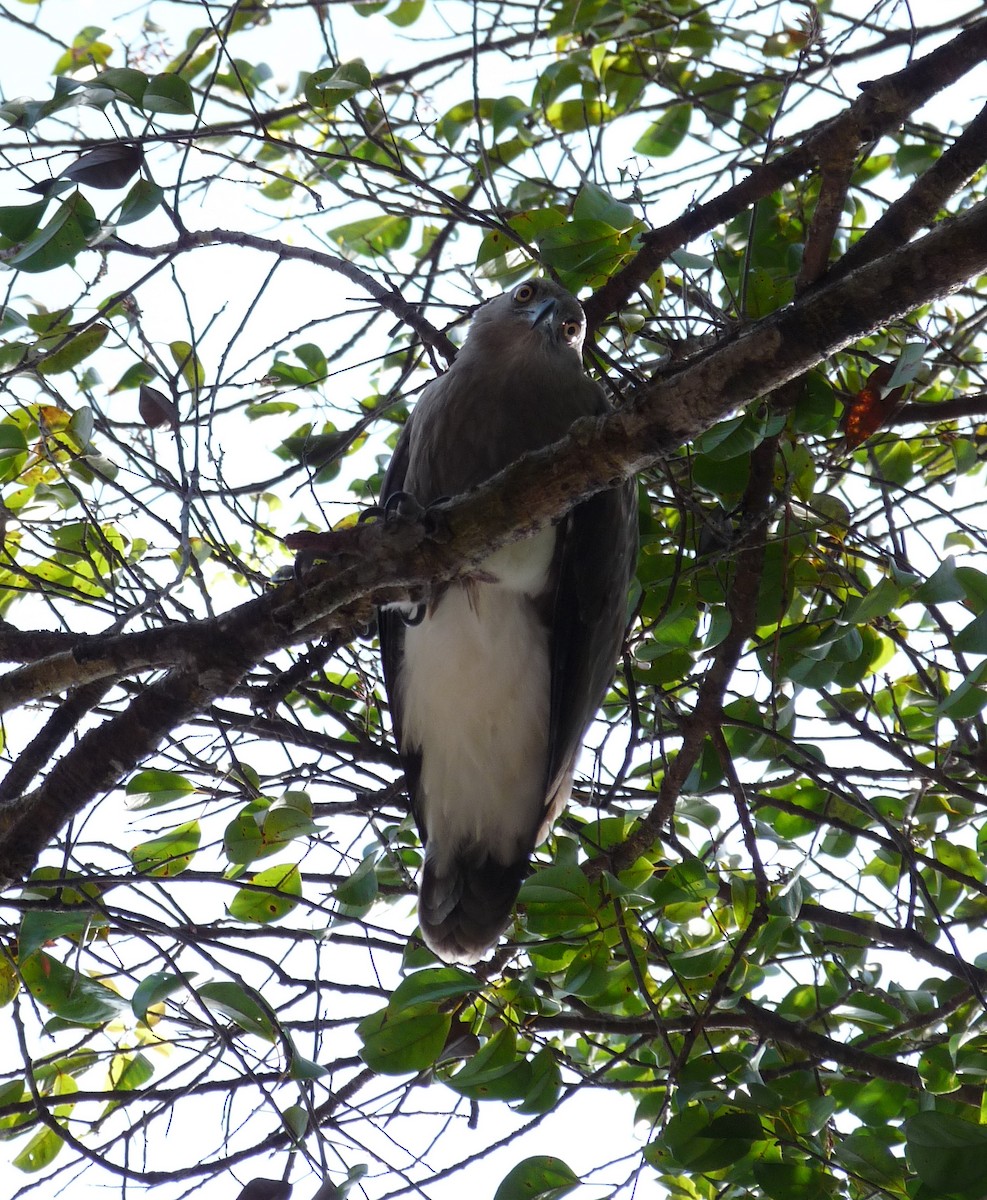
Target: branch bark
[(879, 110)]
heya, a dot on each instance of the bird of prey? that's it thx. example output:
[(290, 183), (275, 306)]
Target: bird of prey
[(494, 679)]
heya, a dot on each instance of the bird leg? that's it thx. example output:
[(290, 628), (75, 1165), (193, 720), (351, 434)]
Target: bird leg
[(405, 506)]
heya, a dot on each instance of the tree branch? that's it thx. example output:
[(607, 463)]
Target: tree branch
[(880, 110)]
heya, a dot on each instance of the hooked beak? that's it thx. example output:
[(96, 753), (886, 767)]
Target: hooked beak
[(543, 311)]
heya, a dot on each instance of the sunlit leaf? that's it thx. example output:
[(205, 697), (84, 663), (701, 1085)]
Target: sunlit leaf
[(76, 350), (168, 854), (666, 134), (189, 365), (538, 1178), (264, 906), (67, 993), (152, 788)]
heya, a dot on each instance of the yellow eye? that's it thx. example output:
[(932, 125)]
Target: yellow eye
[(524, 293), (571, 330)]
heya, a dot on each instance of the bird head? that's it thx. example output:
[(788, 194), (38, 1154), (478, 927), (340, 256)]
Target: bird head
[(537, 314)]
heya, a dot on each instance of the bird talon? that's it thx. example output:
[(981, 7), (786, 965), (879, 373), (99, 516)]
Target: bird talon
[(402, 504)]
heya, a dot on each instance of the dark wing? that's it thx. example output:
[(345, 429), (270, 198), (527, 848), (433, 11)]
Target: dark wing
[(598, 549), (390, 626)]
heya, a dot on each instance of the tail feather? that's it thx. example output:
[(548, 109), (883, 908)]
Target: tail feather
[(465, 902)]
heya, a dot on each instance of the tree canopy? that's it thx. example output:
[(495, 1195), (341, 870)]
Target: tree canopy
[(237, 239)]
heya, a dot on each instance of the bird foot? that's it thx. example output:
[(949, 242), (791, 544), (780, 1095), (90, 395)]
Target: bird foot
[(406, 505)]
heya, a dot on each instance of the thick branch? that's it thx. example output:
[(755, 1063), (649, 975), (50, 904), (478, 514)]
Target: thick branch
[(760, 1022), (880, 110)]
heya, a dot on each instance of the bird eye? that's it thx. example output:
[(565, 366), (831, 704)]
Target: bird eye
[(571, 330), (524, 293)]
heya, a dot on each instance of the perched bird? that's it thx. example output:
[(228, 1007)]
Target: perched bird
[(493, 681)]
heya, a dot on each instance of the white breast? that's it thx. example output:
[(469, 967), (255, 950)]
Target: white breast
[(475, 686)]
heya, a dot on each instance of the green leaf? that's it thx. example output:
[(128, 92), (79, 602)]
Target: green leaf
[(373, 235), (57, 243), (241, 1004), (136, 374), (40, 1152), (142, 199), (693, 1140), (907, 365), (125, 81), (331, 86), (586, 974), (403, 1041), (128, 1072), (73, 997), (13, 449), (313, 358), (10, 985), (972, 638), (685, 882), (188, 364), (305, 1068), (667, 133), (974, 584), (19, 221), (594, 204), (433, 984), (406, 13), (264, 907), (878, 602), (85, 52), (168, 94), (508, 112), (460, 117), (495, 1072), (39, 927), (585, 252), (538, 1178), (571, 116), (938, 1071), (151, 789), (155, 988), (544, 1084), (559, 899), (75, 351), (941, 586), (895, 461), (243, 840), (360, 890), (794, 1181), (968, 699), (168, 854), (947, 1153)]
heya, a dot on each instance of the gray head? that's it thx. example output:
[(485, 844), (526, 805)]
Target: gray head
[(537, 316)]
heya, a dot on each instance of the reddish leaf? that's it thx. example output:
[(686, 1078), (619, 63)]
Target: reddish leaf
[(870, 408)]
